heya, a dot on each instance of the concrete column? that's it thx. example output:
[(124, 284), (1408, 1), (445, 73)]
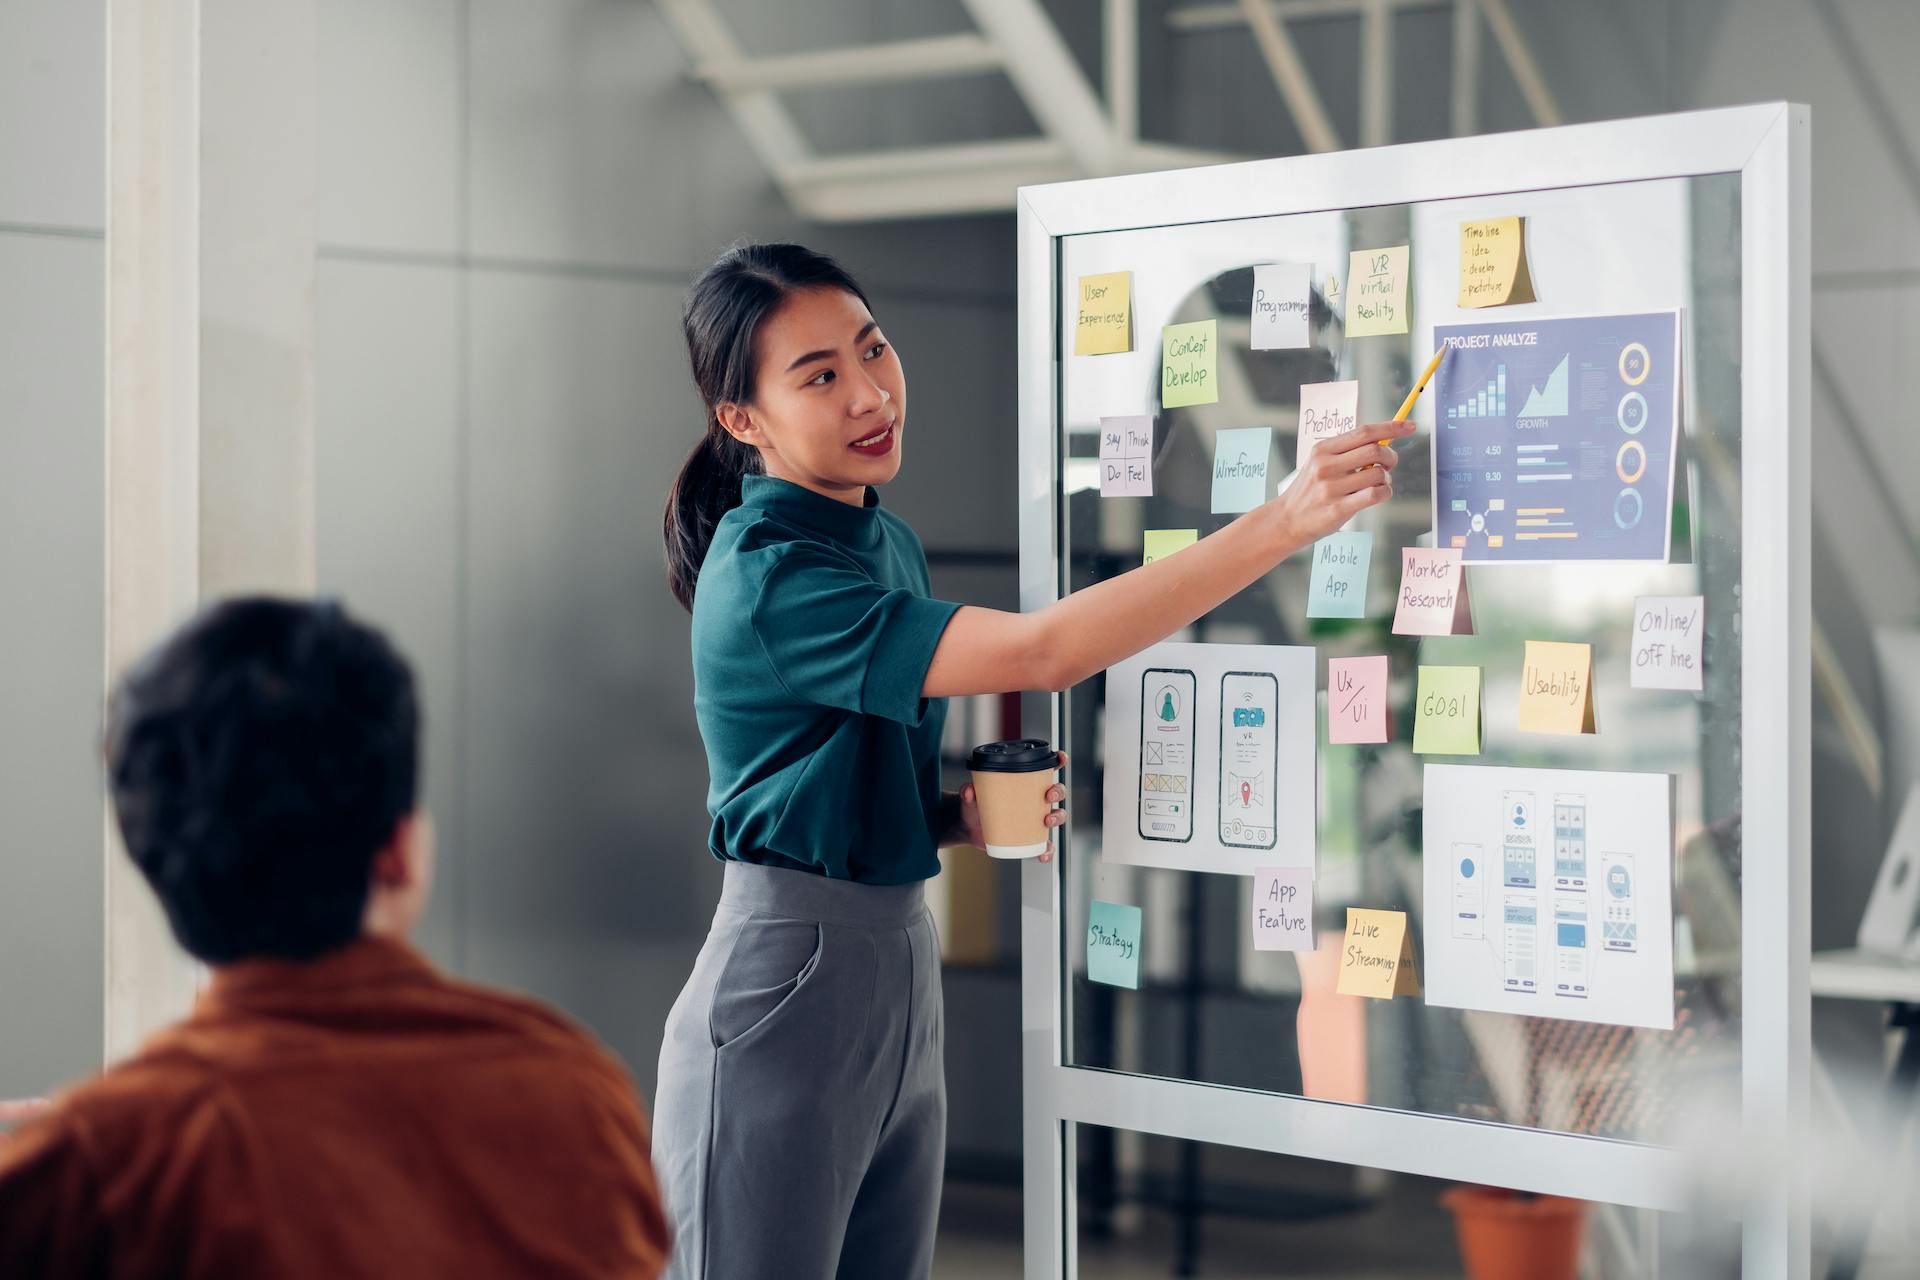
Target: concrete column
[(210, 244)]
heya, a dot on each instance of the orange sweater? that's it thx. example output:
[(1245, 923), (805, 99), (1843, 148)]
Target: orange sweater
[(357, 1115)]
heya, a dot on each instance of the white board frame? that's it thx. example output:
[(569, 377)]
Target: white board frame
[(1768, 146)]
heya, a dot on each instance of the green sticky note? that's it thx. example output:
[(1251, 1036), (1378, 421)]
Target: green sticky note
[(1377, 291), (1446, 712), (1187, 368), (1161, 543), (1113, 944), (1338, 588)]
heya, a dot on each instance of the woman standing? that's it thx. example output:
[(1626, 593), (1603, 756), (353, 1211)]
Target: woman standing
[(801, 1108)]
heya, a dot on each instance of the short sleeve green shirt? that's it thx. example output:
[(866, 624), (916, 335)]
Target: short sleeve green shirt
[(812, 634)]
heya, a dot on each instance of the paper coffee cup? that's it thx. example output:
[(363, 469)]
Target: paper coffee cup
[(1010, 782)]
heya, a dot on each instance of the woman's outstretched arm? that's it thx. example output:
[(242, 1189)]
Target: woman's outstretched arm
[(991, 651)]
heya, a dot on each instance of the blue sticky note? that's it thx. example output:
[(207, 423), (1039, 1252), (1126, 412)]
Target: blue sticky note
[(1113, 945), (1240, 468), (1339, 585)]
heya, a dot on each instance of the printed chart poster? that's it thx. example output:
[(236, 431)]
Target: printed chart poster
[(1210, 758), (1549, 893), (1554, 438)]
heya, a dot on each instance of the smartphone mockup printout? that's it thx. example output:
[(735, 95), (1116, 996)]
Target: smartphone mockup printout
[(1522, 942), (1569, 842), (1570, 956), (1619, 925), (1469, 892), (1166, 754), (1249, 764), (1521, 842)]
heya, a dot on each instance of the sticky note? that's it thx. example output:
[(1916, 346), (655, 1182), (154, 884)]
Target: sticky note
[(1377, 291), (1376, 961), (1338, 587), (1667, 636), (1556, 688), (1105, 326), (1446, 711), (1240, 468), (1433, 594), (1161, 543), (1280, 305), (1187, 368), (1126, 457), (1493, 263), (1326, 409), (1113, 944), (1283, 909), (1357, 700)]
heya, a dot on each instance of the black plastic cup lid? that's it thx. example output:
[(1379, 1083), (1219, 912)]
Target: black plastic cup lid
[(1018, 755)]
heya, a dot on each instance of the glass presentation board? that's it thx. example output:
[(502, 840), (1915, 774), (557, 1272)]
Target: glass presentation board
[(1211, 1008), (1602, 883)]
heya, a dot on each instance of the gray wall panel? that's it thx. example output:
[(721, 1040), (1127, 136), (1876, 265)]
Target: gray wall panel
[(586, 823), (388, 463), (579, 144), (53, 113), (52, 568), (390, 128)]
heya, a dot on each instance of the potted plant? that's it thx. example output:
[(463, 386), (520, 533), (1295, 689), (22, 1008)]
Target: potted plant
[(1517, 1235)]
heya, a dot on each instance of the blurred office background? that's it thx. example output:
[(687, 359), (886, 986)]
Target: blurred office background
[(512, 198)]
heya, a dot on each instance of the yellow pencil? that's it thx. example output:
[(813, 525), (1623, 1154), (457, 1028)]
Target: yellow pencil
[(1406, 406)]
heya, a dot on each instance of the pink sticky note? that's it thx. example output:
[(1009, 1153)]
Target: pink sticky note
[(1357, 700), (1433, 594), (1327, 409), (1283, 909)]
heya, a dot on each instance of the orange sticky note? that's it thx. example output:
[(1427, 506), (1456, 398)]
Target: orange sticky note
[(1556, 688), (1493, 263), (1376, 957)]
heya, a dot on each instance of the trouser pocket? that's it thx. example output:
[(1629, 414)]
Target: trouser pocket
[(772, 957)]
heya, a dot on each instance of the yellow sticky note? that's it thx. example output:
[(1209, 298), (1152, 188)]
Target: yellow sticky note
[(1376, 960), (1105, 326), (1161, 543), (1493, 263), (1377, 291), (1187, 364), (1556, 688), (1447, 711)]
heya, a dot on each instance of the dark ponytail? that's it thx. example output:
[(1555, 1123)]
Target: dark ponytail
[(722, 318)]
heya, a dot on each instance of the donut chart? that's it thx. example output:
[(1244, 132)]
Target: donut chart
[(1635, 364), (1637, 452), (1631, 413)]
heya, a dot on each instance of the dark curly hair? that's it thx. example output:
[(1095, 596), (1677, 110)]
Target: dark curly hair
[(258, 759)]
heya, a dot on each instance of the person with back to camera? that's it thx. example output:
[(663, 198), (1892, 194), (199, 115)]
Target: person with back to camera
[(334, 1108), (801, 1107)]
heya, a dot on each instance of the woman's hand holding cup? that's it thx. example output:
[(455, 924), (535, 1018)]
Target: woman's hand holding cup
[(1022, 816)]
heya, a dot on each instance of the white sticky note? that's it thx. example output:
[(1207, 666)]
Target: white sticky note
[(1280, 305), (1667, 636), (1327, 409), (1126, 457), (1283, 909)]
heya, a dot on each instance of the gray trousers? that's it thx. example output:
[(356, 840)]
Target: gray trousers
[(800, 1119)]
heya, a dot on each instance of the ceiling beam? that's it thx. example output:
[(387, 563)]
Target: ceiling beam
[(896, 62)]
